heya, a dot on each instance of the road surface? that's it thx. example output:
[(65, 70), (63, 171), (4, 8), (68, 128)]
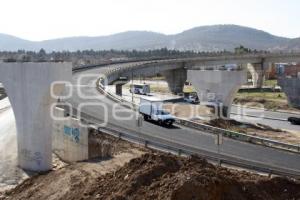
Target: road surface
[(270, 118), (10, 174)]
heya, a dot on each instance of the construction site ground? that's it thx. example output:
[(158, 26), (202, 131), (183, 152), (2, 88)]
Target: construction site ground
[(134, 173)]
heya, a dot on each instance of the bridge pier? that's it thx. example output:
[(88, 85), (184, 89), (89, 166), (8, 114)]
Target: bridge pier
[(119, 91), (291, 87), (119, 84), (175, 79), (258, 74), (217, 87), (28, 88)]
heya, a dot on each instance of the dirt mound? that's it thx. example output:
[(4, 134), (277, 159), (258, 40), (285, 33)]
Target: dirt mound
[(161, 176), (170, 177), (231, 123)]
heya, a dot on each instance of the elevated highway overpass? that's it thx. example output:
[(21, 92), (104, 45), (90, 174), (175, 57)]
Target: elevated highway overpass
[(28, 88), (212, 82)]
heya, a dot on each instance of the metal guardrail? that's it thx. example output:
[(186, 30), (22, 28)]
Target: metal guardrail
[(239, 136), (269, 110), (264, 117)]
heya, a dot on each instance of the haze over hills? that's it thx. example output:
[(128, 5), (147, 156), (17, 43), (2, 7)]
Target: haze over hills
[(203, 38)]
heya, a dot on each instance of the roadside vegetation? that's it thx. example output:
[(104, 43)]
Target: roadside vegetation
[(268, 100), (270, 97)]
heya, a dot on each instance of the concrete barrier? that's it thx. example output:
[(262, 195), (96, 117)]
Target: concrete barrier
[(70, 139)]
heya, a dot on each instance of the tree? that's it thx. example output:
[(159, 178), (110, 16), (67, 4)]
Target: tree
[(42, 55)]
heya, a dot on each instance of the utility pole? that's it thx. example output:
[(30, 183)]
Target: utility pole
[(139, 124), (132, 91), (218, 142)]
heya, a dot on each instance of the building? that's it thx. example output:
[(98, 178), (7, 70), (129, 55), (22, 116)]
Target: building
[(292, 70)]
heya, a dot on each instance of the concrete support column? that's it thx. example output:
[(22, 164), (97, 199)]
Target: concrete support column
[(291, 87), (218, 87), (119, 89), (176, 79), (258, 74), (28, 88)]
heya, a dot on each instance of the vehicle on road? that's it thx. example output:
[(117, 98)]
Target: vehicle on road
[(151, 109), (140, 89), (294, 120), (191, 98)]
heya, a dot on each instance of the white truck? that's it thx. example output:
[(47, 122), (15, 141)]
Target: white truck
[(151, 109)]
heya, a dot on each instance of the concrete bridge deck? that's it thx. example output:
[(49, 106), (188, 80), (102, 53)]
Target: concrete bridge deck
[(217, 86)]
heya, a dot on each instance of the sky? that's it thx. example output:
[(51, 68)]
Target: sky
[(47, 19)]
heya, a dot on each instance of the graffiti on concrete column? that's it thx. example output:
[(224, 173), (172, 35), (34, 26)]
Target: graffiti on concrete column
[(74, 133)]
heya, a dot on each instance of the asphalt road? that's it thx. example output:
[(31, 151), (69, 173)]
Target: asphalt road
[(270, 118), (262, 113), (103, 108)]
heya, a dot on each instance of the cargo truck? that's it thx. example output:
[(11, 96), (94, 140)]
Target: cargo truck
[(151, 109)]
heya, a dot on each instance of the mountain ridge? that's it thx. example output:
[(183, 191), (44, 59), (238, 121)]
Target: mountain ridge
[(202, 38)]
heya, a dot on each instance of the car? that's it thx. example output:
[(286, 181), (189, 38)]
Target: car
[(294, 120), (191, 99)]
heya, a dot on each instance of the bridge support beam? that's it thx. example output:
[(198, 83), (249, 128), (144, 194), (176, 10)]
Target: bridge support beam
[(258, 71), (175, 79), (291, 87), (217, 87), (28, 88)]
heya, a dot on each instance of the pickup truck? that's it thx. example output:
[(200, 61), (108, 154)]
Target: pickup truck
[(151, 109), (139, 89), (191, 97)]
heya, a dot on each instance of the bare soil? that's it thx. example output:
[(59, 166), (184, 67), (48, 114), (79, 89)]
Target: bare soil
[(269, 104), (155, 176), (187, 111), (58, 182)]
